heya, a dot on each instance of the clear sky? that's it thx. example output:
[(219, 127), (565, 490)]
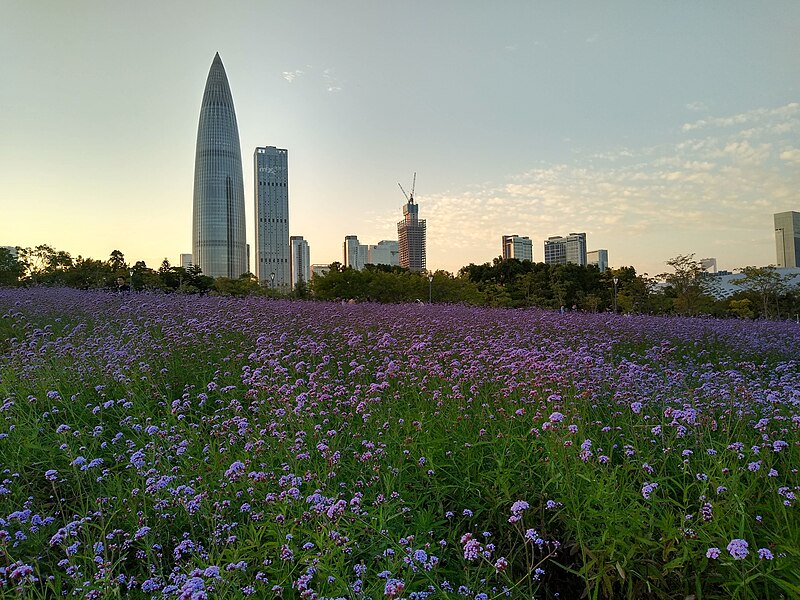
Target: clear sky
[(658, 128)]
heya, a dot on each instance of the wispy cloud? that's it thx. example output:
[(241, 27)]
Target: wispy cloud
[(331, 82), (713, 189), (290, 76), (326, 76), (697, 106)]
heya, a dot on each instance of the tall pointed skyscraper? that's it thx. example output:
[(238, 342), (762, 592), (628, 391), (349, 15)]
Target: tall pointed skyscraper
[(219, 245)]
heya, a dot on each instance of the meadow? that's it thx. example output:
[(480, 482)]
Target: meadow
[(173, 446)]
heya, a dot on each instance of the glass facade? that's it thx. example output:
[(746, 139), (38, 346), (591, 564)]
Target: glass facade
[(219, 245)]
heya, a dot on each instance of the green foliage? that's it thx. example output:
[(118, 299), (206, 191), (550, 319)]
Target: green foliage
[(11, 269)]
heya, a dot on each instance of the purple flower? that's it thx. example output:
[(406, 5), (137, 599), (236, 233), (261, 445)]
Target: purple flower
[(738, 549), (765, 554), (713, 553), (647, 489), (394, 588)]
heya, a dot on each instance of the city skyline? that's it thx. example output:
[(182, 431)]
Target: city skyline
[(657, 129)]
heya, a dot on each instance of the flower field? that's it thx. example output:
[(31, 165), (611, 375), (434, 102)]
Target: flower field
[(170, 446)]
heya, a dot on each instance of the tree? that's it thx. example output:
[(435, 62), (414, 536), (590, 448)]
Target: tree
[(764, 282), (11, 269), (686, 283), (117, 261)]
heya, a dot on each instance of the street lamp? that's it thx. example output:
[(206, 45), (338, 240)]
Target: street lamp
[(430, 288), (616, 281), (131, 286), (272, 279)]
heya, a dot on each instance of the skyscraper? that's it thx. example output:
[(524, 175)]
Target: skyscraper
[(517, 246), (787, 238), (562, 250), (411, 237), (218, 227), (273, 254), (301, 260)]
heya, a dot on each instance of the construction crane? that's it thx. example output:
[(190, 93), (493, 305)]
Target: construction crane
[(409, 198)]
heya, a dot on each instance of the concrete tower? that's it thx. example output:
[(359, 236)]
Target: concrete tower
[(787, 238), (219, 245), (273, 251)]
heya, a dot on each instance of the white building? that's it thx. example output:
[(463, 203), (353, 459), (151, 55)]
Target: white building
[(385, 252), (272, 255), (186, 261), (301, 263), (517, 246), (355, 253)]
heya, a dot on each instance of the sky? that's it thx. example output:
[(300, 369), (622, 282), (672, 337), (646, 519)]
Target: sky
[(658, 128)]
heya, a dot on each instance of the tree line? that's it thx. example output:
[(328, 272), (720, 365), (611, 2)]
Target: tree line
[(685, 289)]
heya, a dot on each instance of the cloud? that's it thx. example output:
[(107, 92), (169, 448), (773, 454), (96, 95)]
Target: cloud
[(290, 76), (789, 112), (791, 155), (697, 106), (327, 76), (593, 38), (331, 82)]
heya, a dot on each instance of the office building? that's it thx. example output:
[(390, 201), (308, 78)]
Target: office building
[(787, 239), (186, 261), (411, 237), (598, 258), (517, 246), (273, 253), (385, 252), (562, 250), (355, 253), (218, 219), (320, 270), (301, 263)]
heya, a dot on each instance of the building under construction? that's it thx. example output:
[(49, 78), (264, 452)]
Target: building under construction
[(411, 234)]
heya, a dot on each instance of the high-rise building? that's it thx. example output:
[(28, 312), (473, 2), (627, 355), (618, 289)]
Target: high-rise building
[(301, 263), (598, 258), (411, 237), (562, 250), (517, 246), (787, 239), (385, 252), (354, 253), (273, 254), (186, 261), (218, 220)]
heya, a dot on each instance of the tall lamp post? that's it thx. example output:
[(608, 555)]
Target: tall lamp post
[(616, 281), (430, 288), (131, 285), (272, 280)]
